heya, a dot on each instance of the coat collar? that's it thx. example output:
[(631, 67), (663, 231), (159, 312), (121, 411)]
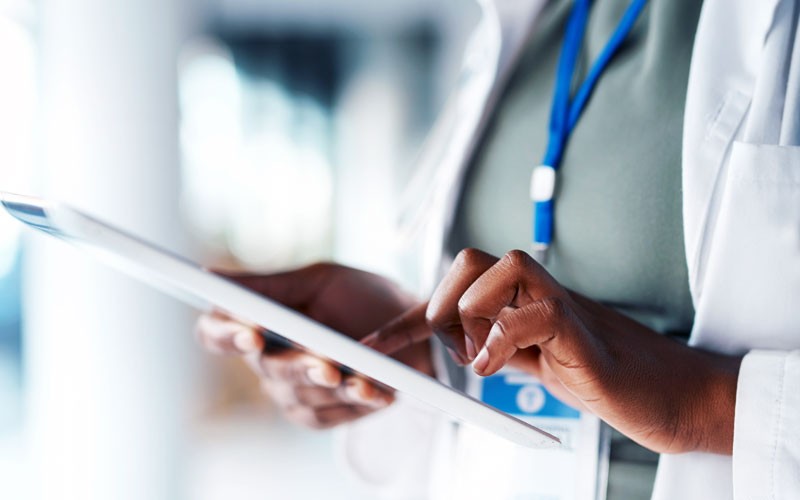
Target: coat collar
[(491, 54)]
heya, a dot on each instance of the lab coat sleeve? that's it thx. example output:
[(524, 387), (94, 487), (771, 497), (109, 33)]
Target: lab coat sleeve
[(401, 452), (390, 452), (766, 443)]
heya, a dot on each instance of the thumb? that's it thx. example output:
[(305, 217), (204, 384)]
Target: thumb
[(403, 331)]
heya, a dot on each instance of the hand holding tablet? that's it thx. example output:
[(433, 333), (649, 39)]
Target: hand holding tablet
[(208, 291), (311, 391)]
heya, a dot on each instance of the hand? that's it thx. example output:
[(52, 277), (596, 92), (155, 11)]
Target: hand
[(309, 390), (667, 396)]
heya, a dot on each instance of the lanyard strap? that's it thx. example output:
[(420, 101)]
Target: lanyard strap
[(565, 114)]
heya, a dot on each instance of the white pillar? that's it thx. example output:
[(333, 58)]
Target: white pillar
[(106, 358)]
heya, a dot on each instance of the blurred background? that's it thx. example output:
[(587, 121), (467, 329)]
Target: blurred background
[(240, 133)]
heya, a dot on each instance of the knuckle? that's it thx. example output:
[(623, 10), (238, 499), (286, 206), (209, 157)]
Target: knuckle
[(444, 323), (554, 307), (434, 317), (445, 330), (465, 305), (468, 257), (517, 258), (501, 332)]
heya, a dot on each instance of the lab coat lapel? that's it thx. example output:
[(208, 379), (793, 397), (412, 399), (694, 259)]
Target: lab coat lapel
[(489, 60)]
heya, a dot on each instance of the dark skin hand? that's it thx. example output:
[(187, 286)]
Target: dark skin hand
[(669, 397), (309, 390)]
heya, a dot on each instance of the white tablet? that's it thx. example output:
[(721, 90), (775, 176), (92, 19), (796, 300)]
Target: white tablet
[(190, 283)]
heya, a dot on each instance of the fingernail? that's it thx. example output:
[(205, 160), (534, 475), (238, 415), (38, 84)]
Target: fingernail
[(353, 393), (471, 352), (481, 362), (245, 341), (316, 374)]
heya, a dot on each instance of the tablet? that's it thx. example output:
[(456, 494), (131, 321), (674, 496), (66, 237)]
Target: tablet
[(190, 283)]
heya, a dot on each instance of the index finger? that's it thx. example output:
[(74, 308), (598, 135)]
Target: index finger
[(403, 331), (444, 314)]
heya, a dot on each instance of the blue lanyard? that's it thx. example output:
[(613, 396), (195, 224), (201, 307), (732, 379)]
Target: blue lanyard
[(565, 114)]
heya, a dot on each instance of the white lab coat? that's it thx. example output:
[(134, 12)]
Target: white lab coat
[(741, 199)]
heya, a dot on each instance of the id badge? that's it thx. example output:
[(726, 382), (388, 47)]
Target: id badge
[(488, 467)]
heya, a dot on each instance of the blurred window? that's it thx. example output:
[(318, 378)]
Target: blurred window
[(255, 132), (273, 140)]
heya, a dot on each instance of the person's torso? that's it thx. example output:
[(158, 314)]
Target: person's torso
[(618, 225)]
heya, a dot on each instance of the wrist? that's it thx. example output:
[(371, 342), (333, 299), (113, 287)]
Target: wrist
[(713, 412)]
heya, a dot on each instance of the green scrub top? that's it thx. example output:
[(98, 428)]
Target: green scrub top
[(618, 223)]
